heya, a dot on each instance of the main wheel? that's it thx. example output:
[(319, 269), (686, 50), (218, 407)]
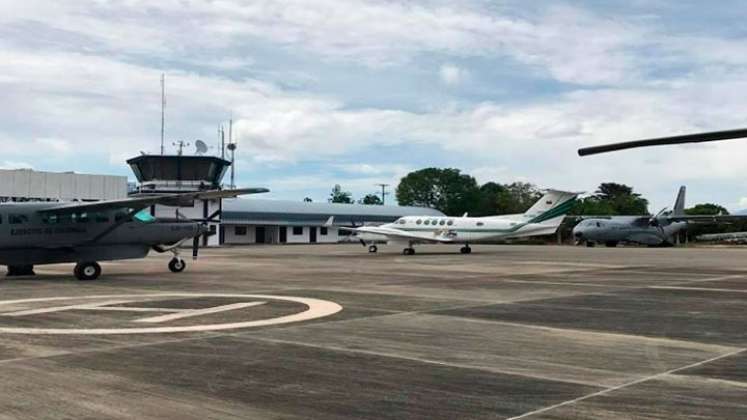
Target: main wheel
[(373, 249), (87, 271), (177, 265), (590, 244), (465, 250), (408, 251)]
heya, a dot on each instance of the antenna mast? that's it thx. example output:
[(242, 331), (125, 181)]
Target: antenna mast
[(163, 107), (222, 142), (383, 192), (232, 148)]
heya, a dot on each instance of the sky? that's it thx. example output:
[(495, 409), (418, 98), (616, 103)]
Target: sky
[(361, 92)]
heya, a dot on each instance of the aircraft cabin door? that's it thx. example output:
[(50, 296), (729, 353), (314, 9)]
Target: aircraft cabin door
[(283, 234)]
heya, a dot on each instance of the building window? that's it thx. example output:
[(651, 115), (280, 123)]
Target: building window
[(323, 231), (239, 230), (17, 219), (297, 230)]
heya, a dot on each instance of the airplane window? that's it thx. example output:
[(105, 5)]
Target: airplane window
[(480, 224), (80, 217), (450, 222), (442, 222), (51, 219), (427, 222), (419, 221), (17, 219)]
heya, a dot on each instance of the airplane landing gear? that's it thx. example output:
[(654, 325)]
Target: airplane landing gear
[(373, 249), (465, 250), (590, 244), (177, 265), (408, 251), (20, 270), (87, 271)]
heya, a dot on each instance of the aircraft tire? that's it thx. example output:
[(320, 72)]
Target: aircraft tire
[(465, 250), (177, 265), (590, 244), (373, 249), (611, 244), (408, 251), (86, 271)]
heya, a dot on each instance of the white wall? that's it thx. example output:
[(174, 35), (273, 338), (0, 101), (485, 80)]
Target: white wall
[(250, 237)]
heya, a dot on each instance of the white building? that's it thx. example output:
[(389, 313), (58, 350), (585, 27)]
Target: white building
[(30, 185), (252, 220)]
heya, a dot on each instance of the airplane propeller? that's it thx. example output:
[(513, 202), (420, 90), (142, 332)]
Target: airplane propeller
[(655, 220), (687, 138)]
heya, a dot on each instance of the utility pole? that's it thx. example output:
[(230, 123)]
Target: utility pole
[(222, 143), (383, 192), (163, 108), (232, 148), (180, 144)]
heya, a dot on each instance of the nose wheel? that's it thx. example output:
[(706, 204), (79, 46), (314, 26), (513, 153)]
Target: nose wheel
[(85, 271), (177, 265), (465, 250), (373, 249)]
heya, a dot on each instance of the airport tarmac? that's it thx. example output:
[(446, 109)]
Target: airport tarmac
[(330, 331)]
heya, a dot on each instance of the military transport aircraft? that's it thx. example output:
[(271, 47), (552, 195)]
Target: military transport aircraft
[(87, 232), (647, 230), (543, 218)]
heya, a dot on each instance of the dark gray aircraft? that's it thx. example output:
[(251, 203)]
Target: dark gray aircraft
[(655, 230), (87, 232)]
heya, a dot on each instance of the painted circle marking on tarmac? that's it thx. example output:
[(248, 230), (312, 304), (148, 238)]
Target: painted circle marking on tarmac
[(317, 308)]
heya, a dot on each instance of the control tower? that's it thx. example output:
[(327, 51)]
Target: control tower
[(158, 174)]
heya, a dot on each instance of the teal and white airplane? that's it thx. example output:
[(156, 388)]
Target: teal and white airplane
[(543, 218)]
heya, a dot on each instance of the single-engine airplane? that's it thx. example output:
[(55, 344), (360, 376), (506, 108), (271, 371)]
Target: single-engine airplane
[(87, 232), (543, 218)]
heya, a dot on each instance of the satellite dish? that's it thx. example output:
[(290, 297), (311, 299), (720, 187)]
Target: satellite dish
[(201, 147)]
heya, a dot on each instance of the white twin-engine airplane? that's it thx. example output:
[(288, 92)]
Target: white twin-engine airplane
[(543, 218)]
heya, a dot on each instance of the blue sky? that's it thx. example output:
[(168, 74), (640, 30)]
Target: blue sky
[(361, 92)]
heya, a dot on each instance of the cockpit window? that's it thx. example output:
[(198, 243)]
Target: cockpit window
[(401, 221), (144, 216)]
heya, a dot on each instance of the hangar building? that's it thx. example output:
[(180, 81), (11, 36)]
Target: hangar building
[(253, 221), (30, 185)]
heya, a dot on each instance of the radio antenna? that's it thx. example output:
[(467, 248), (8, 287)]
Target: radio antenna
[(163, 108)]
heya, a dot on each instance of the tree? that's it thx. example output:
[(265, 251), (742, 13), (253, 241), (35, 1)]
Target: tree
[(446, 189), (340, 196), (492, 200), (709, 209), (521, 196), (371, 199), (622, 199)]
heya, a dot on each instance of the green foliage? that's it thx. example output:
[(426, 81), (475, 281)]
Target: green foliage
[(371, 199), (708, 209), (340, 196), (447, 190), (612, 199)]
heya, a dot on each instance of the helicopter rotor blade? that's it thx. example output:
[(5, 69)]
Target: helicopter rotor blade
[(687, 138)]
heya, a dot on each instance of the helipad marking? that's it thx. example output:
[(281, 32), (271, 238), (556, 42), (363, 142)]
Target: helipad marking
[(197, 312), (317, 308)]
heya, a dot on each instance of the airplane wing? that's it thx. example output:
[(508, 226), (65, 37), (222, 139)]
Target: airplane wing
[(146, 200), (400, 234), (716, 218)]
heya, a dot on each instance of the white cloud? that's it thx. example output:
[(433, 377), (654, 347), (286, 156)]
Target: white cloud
[(6, 164), (452, 75)]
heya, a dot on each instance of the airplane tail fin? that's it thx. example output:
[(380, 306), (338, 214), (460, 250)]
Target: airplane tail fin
[(679, 204), (552, 205)]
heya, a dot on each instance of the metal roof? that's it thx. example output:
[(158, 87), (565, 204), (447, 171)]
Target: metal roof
[(285, 212)]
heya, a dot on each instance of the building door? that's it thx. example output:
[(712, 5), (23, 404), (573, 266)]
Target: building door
[(259, 234), (283, 234), (312, 234)]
